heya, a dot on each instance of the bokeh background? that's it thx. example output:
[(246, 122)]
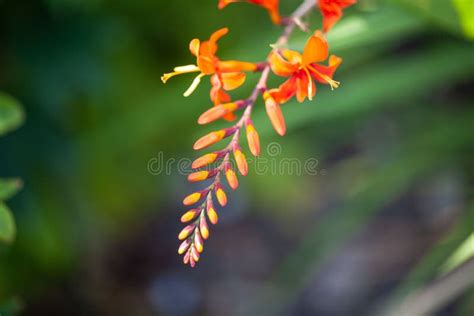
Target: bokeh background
[(383, 224)]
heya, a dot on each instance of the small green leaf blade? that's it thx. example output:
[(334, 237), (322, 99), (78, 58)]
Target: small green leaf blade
[(7, 225), (11, 114)]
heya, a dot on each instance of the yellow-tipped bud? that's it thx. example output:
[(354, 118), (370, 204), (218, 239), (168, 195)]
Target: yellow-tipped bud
[(204, 229), (195, 252), (198, 176), (192, 199), (275, 114), (198, 243), (189, 215), (232, 179), (184, 246), (186, 258), (253, 140), (209, 139), (212, 215), (186, 232), (241, 162), (221, 197), (217, 112), (204, 160)]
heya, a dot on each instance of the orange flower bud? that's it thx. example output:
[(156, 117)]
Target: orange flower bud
[(192, 199), (253, 140), (186, 258), (221, 197), (241, 162), (195, 253), (217, 112), (213, 218), (189, 215), (204, 160), (198, 176), (204, 228), (275, 114), (211, 213), (184, 246), (198, 242), (209, 139), (232, 179), (186, 232)]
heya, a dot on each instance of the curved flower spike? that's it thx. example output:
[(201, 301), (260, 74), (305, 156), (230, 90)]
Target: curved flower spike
[(332, 11), (270, 5), (302, 69), (228, 75)]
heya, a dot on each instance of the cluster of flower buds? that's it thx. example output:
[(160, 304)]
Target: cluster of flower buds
[(302, 71)]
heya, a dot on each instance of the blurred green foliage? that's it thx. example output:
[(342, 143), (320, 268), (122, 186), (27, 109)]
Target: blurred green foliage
[(11, 116)]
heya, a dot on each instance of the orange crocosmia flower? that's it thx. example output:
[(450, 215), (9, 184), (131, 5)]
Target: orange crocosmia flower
[(302, 69), (270, 5), (229, 73), (332, 11)]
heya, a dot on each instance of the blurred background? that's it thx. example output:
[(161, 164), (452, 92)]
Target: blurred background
[(381, 226)]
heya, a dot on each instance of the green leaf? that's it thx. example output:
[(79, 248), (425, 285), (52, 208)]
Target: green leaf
[(9, 187), (465, 9), (7, 224), (11, 114), (463, 253), (439, 12)]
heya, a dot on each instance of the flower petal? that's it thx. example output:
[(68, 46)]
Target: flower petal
[(232, 80), (318, 71), (236, 66), (316, 49), (280, 66), (194, 46), (285, 92)]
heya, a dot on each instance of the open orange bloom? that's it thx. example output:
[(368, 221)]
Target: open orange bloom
[(228, 75), (270, 5), (302, 69), (332, 11)]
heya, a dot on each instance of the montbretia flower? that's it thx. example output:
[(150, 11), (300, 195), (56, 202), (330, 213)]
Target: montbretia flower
[(270, 5), (332, 11), (226, 75), (214, 168), (302, 69)]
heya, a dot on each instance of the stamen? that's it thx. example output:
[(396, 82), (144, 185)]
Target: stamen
[(310, 84), (194, 85), (187, 68), (333, 83), (178, 71)]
